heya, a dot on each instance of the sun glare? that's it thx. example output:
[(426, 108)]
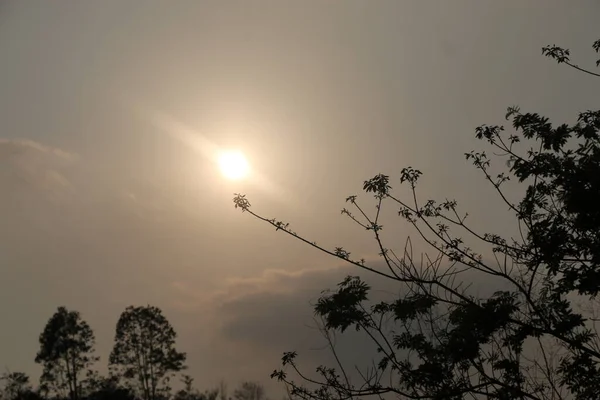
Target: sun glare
[(233, 165)]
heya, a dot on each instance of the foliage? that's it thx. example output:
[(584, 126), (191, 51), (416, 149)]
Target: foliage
[(222, 390), (534, 338), (104, 388), (191, 393), (17, 387), (249, 391), (66, 352), (144, 350)]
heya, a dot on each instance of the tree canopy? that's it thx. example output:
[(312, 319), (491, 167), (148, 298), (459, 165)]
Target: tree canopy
[(66, 352), (535, 337), (144, 350), (249, 391), (142, 362)]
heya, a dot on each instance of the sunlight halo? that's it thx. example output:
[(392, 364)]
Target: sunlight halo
[(233, 164)]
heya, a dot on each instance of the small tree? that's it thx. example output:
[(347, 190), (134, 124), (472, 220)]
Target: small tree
[(144, 350), (17, 387), (66, 352), (189, 392), (223, 390), (535, 337), (249, 391)]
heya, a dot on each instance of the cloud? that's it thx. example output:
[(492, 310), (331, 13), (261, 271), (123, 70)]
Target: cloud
[(31, 172), (99, 248), (26, 165), (245, 324), (269, 311), (13, 147), (273, 313)]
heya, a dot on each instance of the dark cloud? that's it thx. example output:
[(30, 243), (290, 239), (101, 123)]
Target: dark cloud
[(139, 218), (277, 306), (264, 316), (273, 313)]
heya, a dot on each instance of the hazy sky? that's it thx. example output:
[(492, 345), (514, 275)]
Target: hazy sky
[(111, 112)]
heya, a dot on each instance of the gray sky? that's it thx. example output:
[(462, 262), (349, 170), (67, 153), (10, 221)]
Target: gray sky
[(111, 111)]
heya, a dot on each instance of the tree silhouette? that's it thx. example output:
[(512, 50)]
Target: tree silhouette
[(189, 392), (222, 388), (535, 337), (144, 350), (17, 387), (66, 352), (104, 388), (249, 391)]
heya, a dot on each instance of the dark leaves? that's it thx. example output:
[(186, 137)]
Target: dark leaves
[(412, 306), (557, 53), (343, 308), (410, 175), (448, 343), (379, 185), (341, 253), (559, 206), (240, 201)]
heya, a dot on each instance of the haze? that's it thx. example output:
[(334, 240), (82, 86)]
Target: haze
[(112, 114)]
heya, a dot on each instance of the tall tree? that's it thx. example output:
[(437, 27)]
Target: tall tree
[(536, 336), (66, 352), (144, 350)]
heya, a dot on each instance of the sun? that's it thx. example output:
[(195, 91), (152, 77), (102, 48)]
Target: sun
[(233, 165)]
